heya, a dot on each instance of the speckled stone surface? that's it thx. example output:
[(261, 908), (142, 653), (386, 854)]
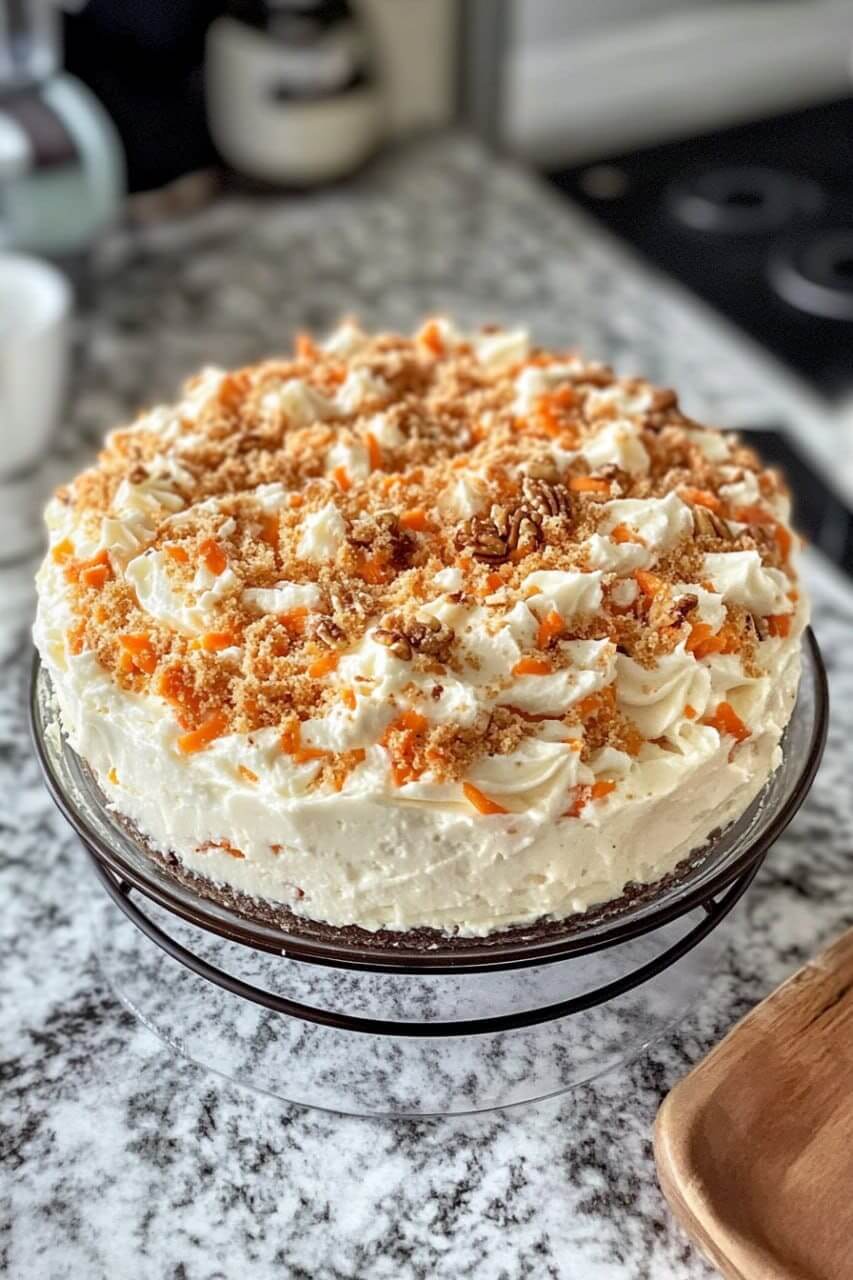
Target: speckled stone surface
[(122, 1160)]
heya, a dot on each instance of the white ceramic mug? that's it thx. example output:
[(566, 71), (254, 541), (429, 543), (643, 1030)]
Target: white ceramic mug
[(35, 308)]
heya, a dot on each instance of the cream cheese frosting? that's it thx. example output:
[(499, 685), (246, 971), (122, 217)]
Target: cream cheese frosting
[(442, 632)]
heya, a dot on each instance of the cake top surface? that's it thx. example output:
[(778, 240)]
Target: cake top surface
[(451, 546)]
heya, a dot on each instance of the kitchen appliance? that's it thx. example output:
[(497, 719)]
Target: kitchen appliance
[(293, 92), (430, 1026), (61, 164)]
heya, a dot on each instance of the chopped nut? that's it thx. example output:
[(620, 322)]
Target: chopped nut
[(395, 641), (708, 524), (544, 498), (327, 631)]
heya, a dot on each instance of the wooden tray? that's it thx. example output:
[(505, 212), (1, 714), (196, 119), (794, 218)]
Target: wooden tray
[(754, 1148)]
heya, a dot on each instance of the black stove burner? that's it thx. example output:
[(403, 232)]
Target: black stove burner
[(758, 220), (814, 272), (742, 200)]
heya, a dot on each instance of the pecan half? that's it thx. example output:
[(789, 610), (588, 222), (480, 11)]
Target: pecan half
[(545, 498), (708, 524)]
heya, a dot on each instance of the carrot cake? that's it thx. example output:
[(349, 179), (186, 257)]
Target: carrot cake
[(444, 631)]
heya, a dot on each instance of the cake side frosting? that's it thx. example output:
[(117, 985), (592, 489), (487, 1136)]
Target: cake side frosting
[(437, 631)]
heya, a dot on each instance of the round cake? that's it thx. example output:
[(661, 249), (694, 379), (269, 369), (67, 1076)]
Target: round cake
[(438, 632)]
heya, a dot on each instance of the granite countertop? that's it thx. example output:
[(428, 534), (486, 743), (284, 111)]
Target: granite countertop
[(123, 1160)]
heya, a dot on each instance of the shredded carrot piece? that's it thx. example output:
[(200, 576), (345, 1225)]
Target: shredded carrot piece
[(176, 552), (784, 541), (726, 720), (348, 699), (371, 569), (779, 624), (294, 619), (649, 583), (494, 582), (602, 788), (430, 336), (213, 557), (291, 744), (295, 500), (91, 573), (415, 520), (270, 529), (703, 641), (198, 739), (374, 452), (546, 418), (248, 775), (481, 802), (622, 533), (589, 484), (323, 665), (342, 479), (603, 700), (306, 347), (549, 628), (584, 793), (74, 635), (702, 498), (689, 711), (753, 515), (214, 641), (232, 389), (138, 654), (113, 777), (223, 846), (412, 720), (532, 667), (63, 551)]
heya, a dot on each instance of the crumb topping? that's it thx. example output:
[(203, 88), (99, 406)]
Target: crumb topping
[(249, 539)]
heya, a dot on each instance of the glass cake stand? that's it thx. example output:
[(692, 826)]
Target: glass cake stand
[(422, 1024)]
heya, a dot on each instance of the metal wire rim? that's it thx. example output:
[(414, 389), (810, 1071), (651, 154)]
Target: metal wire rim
[(715, 912)]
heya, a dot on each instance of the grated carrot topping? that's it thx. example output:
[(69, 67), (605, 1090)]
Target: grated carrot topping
[(601, 701), (198, 739), (63, 551), (342, 479), (649, 583), (549, 628), (295, 500), (589, 484), (306, 347), (482, 803), (690, 712), (295, 619), (74, 636), (372, 570), (753, 515), (177, 553), (248, 775), (430, 336), (779, 624), (702, 498), (585, 792), (532, 667), (622, 533), (348, 698), (784, 541), (270, 527), (726, 720), (91, 573), (214, 641), (323, 665), (212, 556), (138, 654), (415, 520), (291, 744), (703, 641), (374, 452)]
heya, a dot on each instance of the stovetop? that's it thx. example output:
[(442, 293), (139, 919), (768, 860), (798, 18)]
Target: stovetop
[(758, 220)]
